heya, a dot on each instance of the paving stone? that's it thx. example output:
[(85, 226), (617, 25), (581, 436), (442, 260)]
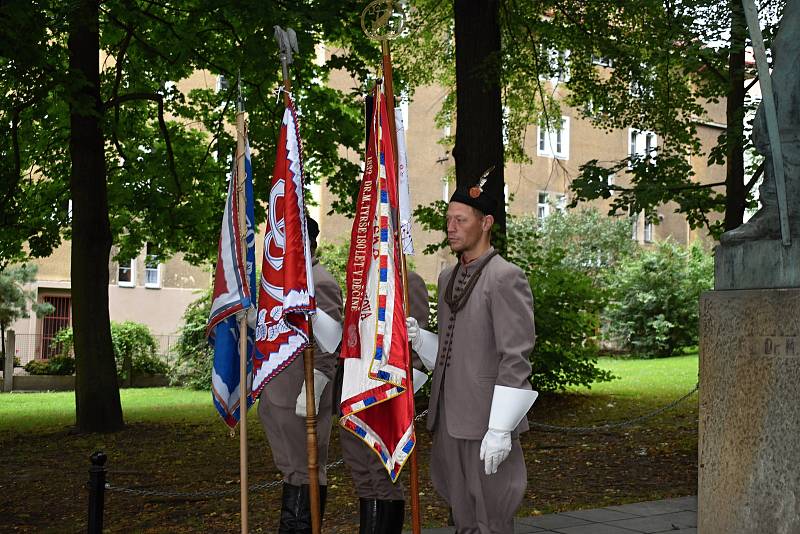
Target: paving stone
[(552, 521), (649, 508), (600, 515), (688, 503), (596, 528), (660, 523)]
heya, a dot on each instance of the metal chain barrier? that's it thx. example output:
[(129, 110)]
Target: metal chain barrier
[(218, 493), (612, 426), (269, 485)]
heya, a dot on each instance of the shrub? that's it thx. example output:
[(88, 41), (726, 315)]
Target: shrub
[(193, 356), (134, 349), (654, 309), (17, 362), (61, 365), (38, 367), (567, 305)]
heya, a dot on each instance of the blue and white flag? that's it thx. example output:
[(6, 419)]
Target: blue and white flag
[(233, 283)]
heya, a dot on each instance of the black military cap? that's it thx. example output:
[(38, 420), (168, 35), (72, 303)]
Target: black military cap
[(313, 228), (475, 196)]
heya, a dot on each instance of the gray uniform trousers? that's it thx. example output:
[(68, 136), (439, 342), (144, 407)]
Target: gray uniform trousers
[(369, 475), (486, 503), (286, 432)]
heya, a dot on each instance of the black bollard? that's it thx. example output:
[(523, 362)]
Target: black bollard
[(97, 486)]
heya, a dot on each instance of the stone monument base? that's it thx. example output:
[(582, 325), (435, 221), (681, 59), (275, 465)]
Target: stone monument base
[(749, 449), (763, 264)]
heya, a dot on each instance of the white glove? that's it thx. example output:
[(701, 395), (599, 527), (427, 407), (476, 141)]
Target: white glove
[(320, 381), (509, 406), (412, 326), (495, 448)]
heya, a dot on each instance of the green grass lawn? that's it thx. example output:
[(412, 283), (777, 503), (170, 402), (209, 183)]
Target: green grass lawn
[(662, 377), (54, 410), (655, 380)]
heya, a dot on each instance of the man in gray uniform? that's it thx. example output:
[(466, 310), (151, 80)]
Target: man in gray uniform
[(480, 391), (381, 502), (282, 411)]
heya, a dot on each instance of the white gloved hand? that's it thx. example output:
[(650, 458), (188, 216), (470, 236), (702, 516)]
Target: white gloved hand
[(495, 448), (320, 381), (252, 313), (412, 326)]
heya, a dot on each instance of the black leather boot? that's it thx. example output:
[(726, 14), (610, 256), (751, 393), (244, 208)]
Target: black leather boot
[(368, 516), (391, 515), (303, 525), (290, 506)]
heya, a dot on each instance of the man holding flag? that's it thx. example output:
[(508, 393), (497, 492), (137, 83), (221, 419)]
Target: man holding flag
[(480, 392), (377, 399), (292, 286)]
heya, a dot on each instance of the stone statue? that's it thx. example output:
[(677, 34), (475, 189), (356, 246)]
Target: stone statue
[(765, 224)]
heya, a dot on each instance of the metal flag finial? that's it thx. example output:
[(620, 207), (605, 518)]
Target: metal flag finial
[(381, 21)]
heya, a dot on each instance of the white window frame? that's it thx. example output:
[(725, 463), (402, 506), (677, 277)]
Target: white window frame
[(548, 203), (635, 227), (555, 58), (445, 189), (603, 61), (610, 179), (647, 235), (552, 143), (543, 205), (147, 270), (132, 268), (642, 143)]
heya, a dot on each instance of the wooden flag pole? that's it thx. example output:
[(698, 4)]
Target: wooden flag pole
[(389, 90), (244, 386), (286, 43)]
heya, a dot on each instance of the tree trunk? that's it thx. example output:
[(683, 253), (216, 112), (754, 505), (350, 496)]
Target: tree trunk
[(97, 402), (736, 196), (479, 110)]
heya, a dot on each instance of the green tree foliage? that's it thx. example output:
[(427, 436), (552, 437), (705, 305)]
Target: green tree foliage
[(15, 299), (652, 66), (334, 257), (141, 159), (567, 306), (192, 354), (654, 309)]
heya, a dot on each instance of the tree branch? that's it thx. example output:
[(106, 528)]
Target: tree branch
[(754, 179), (159, 99), (123, 48)]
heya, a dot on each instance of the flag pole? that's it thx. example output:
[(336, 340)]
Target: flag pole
[(389, 90), (244, 387), (287, 43)]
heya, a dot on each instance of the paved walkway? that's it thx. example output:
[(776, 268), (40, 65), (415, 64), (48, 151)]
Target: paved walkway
[(675, 516)]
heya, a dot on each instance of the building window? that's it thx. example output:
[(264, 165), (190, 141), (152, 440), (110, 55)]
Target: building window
[(603, 61), (126, 273), (554, 142), (557, 66), (648, 231), (445, 189), (642, 145), (610, 182), (548, 202), (54, 322), (634, 218), (152, 267)]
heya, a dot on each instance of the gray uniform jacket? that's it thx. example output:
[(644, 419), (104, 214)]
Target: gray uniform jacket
[(486, 343), (285, 387)]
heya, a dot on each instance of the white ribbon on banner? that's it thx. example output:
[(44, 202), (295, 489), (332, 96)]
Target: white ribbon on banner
[(405, 197)]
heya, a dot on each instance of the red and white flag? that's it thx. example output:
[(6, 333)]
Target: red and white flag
[(286, 289), (377, 402)]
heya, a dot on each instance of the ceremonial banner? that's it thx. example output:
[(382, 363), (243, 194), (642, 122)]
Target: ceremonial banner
[(377, 405), (402, 186), (286, 292), (234, 281)]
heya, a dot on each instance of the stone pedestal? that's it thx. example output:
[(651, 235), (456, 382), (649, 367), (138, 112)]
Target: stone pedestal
[(749, 449), (764, 264)]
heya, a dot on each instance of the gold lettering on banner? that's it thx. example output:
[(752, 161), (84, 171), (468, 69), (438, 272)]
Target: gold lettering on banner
[(361, 240), (776, 346)]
